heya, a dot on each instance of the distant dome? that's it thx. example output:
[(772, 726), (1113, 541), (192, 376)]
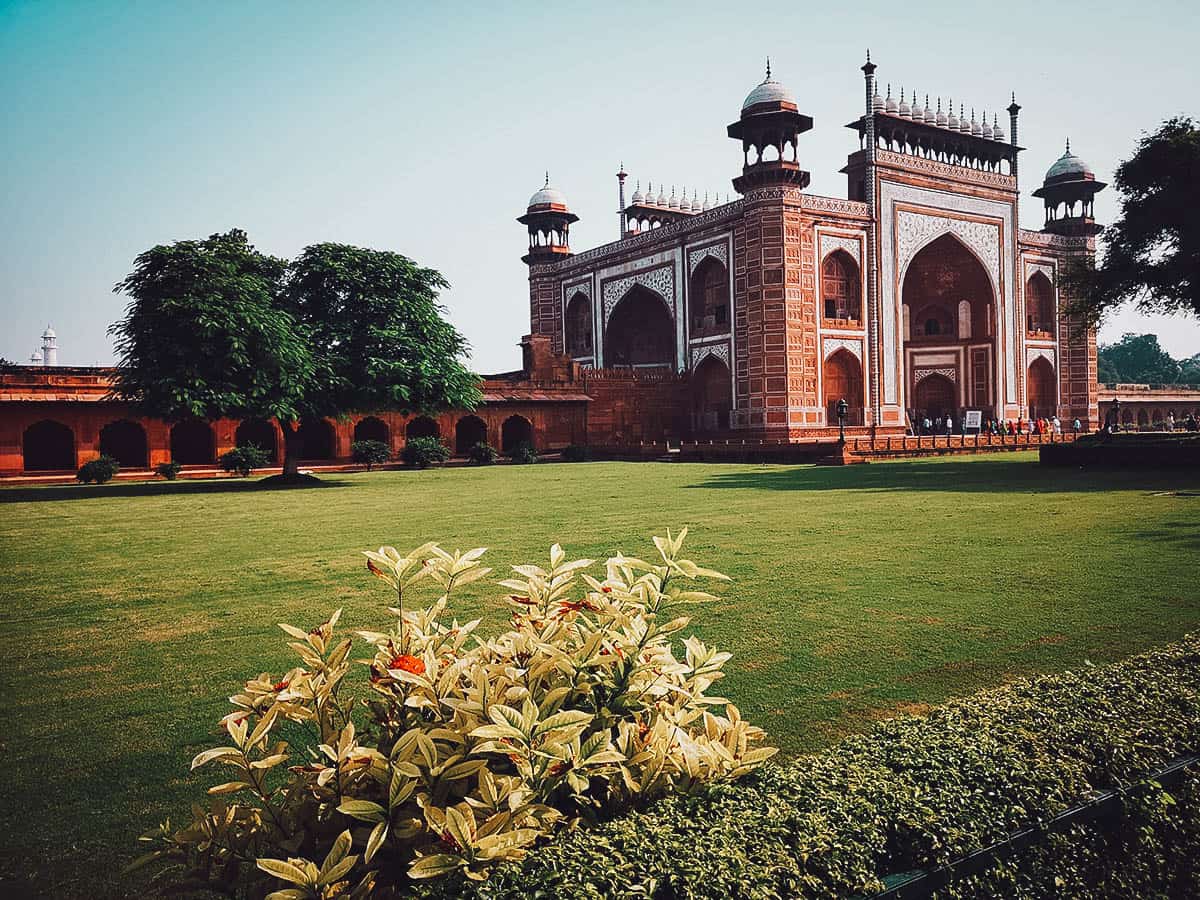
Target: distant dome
[(997, 130), (637, 194), (904, 110), (1069, 166), (877, 103), (548, 196), (770, 91), (662, 197), (49, 332)]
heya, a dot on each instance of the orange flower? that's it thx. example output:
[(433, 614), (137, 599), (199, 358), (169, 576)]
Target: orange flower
[(558, 768), (606, 589), (280, 685), (407, 663)]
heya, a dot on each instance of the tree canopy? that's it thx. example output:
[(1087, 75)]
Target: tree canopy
[(216, 329), (1138, 359), (1151, 253)]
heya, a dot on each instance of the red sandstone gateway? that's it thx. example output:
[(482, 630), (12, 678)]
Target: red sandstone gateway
[(919, 295)]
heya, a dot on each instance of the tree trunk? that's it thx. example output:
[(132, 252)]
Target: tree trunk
[(291, 449)]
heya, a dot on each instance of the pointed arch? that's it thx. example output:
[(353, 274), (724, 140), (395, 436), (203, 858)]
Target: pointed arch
[(193, 443), (640, 331), (577, 325), (841, 286), (1041, 389), (841, 378), (261, 433), (1040, 313), (708, 297), (372, 428), (936, 396), (421, 426), (125, 441), (515, 431), (469, 431), (48, 446), (316, 439), (712, 394)]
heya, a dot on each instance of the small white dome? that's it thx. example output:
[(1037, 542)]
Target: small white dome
[(998, 131), (918, 111), (673, 203), (662, 197), (547, 196), (49, 332), (877, 103), (637, 194), (903, 110), (685, 205), (964, 124), (976, 128), (952, 119), (1069, 165), (770, 91), (889, 105), (940, 119)]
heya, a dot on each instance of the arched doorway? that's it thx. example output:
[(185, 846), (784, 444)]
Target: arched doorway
[(1039, 305), (469, 431), (640, 331), (372, 428), (261, 434), (841, 287), (578, 326), (515, 431), (947, 297), (1041, 389), (842, 379), (421, 426), (316, 439), (48, 446), (712, 395), (125, 442), (193, 443), (708, 298), (936, 396)]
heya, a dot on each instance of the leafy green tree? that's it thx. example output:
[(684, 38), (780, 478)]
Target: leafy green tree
[(204, 336), (373, 323), (1152, 251), (1137, 359), (217, 329)]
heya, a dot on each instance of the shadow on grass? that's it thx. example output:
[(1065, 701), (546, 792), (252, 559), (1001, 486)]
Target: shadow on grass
[(35, 493), (954, 476)]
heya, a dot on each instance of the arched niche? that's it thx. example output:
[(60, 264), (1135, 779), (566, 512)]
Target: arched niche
[(469, 431), (578, 326), (712, 395), (125, 441), (841, 287), (640, 331), (515, 431), (841, 378), (708, 298), (261, 433), (48, 446), (193, 443)]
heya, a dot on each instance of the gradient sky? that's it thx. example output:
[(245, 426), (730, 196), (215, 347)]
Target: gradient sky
[(423, 128)]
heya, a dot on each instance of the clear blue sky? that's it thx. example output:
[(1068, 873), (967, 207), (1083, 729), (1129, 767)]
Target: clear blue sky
[(423, 128)]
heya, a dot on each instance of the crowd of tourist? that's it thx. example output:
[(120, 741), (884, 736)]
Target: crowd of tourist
[(947, 425)]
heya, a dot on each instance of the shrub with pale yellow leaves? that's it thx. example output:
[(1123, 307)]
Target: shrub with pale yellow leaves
[(467, 749)]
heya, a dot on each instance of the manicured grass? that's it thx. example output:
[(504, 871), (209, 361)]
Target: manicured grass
[(131, 611)]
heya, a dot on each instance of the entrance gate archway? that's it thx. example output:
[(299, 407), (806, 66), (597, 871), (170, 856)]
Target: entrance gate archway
[(842, 379), (712, 395), (640, 331), (936, 396)]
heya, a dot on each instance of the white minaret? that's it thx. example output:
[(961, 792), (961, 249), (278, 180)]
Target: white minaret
[(49, 347)]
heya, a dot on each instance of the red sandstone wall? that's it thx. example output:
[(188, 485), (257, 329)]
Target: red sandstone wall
[(629, 407)]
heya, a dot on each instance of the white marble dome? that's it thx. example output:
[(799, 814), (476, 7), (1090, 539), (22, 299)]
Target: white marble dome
[(770, 91), (548, 195), (1069, 165)]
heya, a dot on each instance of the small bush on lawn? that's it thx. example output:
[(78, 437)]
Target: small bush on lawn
[(466, 750), (423, 452), (524, 453), (168, 470), (370, 453), (482, 454), (245, 459), (576, 453), (916, 793), (98, 470)]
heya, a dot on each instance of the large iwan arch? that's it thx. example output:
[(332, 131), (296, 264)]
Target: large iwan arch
[(640, 331), (948, 308)]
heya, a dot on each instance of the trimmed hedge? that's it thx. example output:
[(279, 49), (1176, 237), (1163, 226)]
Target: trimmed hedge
[(919, 792)]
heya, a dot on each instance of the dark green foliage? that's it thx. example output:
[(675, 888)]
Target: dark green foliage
[(482, 454), (1152, 251), (375, 329), (98, 470), (1138, 359), (523, 453), (423, 452), (370, 453), (245, 459), (216, 329), (918, 792), (577, 453), (203, 335), (168, 470)]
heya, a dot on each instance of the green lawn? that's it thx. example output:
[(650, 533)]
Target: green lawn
[(131, 611)]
